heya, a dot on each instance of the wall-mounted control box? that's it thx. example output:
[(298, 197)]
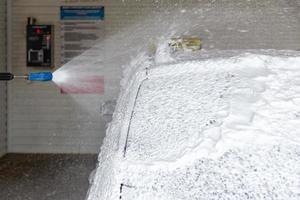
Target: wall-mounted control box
[(40, 45)]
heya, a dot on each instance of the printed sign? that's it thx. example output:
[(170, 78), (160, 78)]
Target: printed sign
[(81, 28), (82, 12), (77, 37)]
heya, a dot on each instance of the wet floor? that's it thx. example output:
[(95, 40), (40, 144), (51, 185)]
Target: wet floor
[(45, 176)]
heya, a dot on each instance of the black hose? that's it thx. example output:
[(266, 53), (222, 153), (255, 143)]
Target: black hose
[(6, 76)]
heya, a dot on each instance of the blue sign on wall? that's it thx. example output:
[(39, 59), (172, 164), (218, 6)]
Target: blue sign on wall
[(82, 12)]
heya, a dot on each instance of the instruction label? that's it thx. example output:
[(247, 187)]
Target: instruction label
[(81, 28), (82, 12)]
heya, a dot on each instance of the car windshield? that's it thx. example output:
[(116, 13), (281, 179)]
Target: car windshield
[(172, 111)]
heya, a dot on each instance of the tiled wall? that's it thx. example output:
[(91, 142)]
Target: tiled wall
[(3, 85)]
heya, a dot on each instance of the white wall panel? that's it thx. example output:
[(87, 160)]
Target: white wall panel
[(3, 85), (44, 121)]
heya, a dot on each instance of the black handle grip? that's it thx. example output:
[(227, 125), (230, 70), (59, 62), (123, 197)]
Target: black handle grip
[(6, 76)]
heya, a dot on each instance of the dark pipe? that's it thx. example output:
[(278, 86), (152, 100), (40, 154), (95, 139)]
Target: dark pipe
[(6, 76)]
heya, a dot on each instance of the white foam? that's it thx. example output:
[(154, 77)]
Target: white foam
[(226, 124)]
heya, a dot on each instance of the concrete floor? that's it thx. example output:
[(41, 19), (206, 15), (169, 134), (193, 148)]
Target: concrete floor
[(45, 177)]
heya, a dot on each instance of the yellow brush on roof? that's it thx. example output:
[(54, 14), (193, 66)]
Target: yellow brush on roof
[(187, 43)]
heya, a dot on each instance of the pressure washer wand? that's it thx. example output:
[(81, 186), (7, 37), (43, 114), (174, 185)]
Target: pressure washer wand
[(21, 77), (35, 76), (6, 76)]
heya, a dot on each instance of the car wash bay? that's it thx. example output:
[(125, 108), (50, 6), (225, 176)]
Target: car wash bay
[(49, 138)]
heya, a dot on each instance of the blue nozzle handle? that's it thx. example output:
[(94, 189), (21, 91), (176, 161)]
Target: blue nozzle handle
[(40, 76)]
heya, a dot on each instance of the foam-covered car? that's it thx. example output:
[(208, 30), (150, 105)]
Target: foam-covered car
[(215, 127)]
